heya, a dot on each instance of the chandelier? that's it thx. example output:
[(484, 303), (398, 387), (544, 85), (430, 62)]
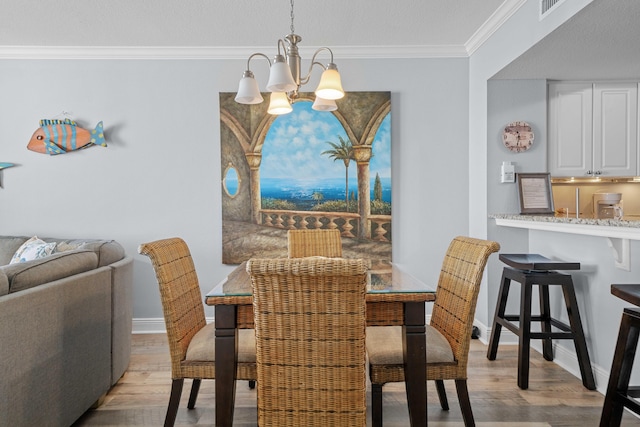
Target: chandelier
[(285, 79)]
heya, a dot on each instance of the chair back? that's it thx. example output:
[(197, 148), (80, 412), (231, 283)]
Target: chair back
[(457, 292), (314, 242), (310, 341), (180, 294)]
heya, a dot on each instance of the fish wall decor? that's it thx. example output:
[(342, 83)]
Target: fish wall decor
[(61, 136), (5, 165)]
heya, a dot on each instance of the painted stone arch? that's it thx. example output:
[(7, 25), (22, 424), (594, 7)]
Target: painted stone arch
[(243, 129)]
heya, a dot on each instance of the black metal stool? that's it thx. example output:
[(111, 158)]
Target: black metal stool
[(529, 270), (619, 394)]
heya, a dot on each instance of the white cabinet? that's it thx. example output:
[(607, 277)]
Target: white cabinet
[(593, 129)]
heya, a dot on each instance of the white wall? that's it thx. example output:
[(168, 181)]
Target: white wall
[(160, 174)]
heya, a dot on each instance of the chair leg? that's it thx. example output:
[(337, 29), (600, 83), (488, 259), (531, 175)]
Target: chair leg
[(174, 401), (465, 403), (578, 336), (621, 367), (376, 405), (252, 384), (503, 295), (524, 341), (442, 394), (545, 321), (195, 388)]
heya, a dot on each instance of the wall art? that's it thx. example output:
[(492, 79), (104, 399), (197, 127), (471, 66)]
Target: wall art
[(306, 169)]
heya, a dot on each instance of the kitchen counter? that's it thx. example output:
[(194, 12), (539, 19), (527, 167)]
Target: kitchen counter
[(631, 221), (617, 231)]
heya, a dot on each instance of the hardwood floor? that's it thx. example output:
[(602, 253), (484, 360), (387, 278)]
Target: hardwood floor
[(555, 397)]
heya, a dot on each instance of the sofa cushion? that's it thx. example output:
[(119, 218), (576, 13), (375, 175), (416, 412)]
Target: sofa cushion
[(54, 267), (108, 251), (33, 248), (8, 246), (4, 283)]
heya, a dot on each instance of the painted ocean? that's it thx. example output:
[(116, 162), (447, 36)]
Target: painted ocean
[(301, 192)]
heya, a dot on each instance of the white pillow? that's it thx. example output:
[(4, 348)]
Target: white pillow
[(33, 248)]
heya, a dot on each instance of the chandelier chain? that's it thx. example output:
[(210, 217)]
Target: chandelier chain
[(292, 29)]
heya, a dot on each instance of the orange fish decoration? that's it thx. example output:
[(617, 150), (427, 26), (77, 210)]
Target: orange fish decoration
[(61, 136)]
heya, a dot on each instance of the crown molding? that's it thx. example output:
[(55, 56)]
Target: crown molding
[(491, 25), (499, 17), (226, 52)]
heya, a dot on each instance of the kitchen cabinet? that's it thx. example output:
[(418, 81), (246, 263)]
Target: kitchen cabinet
[(593, 129)]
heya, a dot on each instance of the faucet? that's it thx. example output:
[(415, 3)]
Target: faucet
[(577, 202)]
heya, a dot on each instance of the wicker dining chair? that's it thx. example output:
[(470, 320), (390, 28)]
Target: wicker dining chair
[(314, 242), (448, 334), (191, 339), (310, 341)]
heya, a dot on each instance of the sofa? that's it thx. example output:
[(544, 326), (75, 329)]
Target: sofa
[(65, 328)]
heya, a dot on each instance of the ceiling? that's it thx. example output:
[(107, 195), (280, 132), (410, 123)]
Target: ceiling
[(243, 22), (600, 42)]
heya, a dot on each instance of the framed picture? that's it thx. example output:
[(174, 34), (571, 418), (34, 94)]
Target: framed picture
[(534, 193)]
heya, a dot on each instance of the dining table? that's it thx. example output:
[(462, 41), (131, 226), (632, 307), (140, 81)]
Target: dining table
[(394, 298)]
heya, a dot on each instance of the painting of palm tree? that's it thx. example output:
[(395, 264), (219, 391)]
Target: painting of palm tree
[(306, 169), (344, 152)]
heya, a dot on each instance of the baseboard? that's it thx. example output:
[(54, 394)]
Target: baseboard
[(153, 325)]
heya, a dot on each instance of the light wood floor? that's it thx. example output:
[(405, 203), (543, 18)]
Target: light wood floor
[(555, 397)]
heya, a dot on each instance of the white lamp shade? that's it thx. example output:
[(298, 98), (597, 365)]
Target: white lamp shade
[(279, 104), (321, 104), (330, 86), (248, 91), (280, 78)]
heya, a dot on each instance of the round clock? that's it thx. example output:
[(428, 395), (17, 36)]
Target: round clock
[(517, 136)]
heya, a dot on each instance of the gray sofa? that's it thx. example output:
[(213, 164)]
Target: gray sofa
[(65, 329)]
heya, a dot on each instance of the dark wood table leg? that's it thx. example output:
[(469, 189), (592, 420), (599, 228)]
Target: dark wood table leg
[(226, 363), (415, 362)]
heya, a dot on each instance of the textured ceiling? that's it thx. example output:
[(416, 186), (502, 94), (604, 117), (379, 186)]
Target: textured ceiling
[(233, 23), (601, 42)]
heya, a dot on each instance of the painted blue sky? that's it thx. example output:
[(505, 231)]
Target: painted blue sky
[(294, 142)]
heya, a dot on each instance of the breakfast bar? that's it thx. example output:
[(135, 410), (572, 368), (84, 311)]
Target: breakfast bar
[(618, 232)]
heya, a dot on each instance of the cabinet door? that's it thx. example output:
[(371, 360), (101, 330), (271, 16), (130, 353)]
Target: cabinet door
[(570, 129), (615, 118)]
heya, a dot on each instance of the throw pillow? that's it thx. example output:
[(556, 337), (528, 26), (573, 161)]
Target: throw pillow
[(33, 248)]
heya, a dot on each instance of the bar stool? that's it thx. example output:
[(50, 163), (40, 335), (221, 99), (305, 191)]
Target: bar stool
[(529, 270), (619, 394)]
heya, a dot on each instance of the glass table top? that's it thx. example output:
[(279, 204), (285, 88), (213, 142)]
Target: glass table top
[(383, 278)]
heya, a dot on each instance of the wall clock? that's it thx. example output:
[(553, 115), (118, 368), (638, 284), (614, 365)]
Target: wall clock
[(517, 136)]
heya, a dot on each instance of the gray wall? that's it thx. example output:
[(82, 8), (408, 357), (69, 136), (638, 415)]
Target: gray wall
[(508, 101), (160, 174)]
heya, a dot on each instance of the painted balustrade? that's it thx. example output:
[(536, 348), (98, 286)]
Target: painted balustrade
[(346, 222)]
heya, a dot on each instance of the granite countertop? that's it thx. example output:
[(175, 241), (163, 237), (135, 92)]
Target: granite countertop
[(631, 221)]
